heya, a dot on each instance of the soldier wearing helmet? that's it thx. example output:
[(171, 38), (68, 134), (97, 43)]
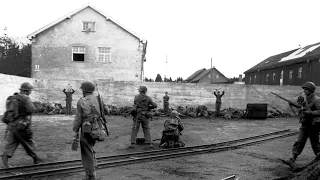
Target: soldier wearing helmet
[(166, 103), (172, 131), (142, 105), (83, 119), (19, 110), (310, 123)]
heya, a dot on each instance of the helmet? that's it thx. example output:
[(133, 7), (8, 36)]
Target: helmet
[(143, 88), (26, 86), (166, 92), (87, 86), (174, 113), (309, 85)]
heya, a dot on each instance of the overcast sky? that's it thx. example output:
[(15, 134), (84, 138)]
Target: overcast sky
[(236, 34)]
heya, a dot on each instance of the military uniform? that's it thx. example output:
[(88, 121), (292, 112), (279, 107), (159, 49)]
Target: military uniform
[(218, 101), (166, 103), (172, 131), (143, 105), (310, 124), (19, 127), (84, 114), (68, 100)]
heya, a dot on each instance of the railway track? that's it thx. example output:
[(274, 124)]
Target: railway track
[(72, 166)]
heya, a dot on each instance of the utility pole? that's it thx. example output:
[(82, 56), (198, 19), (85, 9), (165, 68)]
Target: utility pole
[(166, 68), (211, 72)]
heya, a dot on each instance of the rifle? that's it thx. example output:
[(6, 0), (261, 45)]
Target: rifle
[(102, 114), (290, 102)]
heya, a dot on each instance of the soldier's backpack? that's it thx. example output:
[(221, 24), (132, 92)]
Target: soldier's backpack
[(12, 111), (96, 127), (171, 134)]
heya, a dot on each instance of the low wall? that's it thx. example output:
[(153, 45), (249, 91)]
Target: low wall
[(120, 93)]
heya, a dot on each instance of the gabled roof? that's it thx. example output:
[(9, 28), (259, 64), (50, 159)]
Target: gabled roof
[(203, 73), (68, 16), (195, 74), (195, 77), (287, 58)]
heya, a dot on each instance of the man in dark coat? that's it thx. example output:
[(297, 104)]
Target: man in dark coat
[(84, 117), (19, 109), (310, 124), (218, 101), (143, 104), (68, 94)]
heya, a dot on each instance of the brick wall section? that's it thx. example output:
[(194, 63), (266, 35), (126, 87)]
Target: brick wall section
[(121, 93)]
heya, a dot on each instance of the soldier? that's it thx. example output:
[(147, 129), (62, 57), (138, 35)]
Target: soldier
[(19, 109), (310, 124), (68, 94), (172, 131), (166, 103), (143, 104), (83, 118), (218, 101)]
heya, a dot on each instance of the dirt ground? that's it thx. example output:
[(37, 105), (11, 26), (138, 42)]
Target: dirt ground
[(53, 136)]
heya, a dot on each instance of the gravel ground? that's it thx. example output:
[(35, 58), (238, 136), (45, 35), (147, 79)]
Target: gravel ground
[(53, 135)]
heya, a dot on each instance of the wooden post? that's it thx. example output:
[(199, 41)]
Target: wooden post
[(211, 72)]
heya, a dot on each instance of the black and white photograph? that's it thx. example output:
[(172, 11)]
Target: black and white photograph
[(159, 90)]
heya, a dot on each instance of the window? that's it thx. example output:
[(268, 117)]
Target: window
[(88, 26), (290, 74), (104, 54), (250, 79), (267, 77), (78, 53), (37, 68), (255, 79), (300, 72), (274, 76), (209, 76), (217, 76)]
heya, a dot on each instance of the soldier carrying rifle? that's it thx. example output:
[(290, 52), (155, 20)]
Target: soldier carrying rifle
[(141, 115), (310, 123), (90, 109)]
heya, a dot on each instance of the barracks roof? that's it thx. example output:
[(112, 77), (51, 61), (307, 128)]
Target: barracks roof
[(305, 53)]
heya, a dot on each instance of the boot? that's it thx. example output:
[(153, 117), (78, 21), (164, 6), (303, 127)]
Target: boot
[(5, 162), (38, 160), (132, 146), (290, 162)]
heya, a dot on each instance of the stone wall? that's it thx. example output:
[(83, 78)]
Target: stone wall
[(120, 93)]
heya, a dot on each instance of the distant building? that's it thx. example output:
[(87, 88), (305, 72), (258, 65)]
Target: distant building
[(289, 68), (207, 76), (87, 44)]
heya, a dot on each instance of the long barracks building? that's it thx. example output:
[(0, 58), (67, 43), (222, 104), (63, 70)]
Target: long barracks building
[(289, 68)]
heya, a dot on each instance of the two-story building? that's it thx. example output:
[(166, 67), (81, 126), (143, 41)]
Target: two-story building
[(87, 44)]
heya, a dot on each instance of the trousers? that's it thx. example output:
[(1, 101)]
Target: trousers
[(145, 127), (305, 132), (166, 107), (68, 107), (17, 136), (218, 106), (88, 156)]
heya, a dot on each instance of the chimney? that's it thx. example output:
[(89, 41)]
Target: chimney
[(240, 77)]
